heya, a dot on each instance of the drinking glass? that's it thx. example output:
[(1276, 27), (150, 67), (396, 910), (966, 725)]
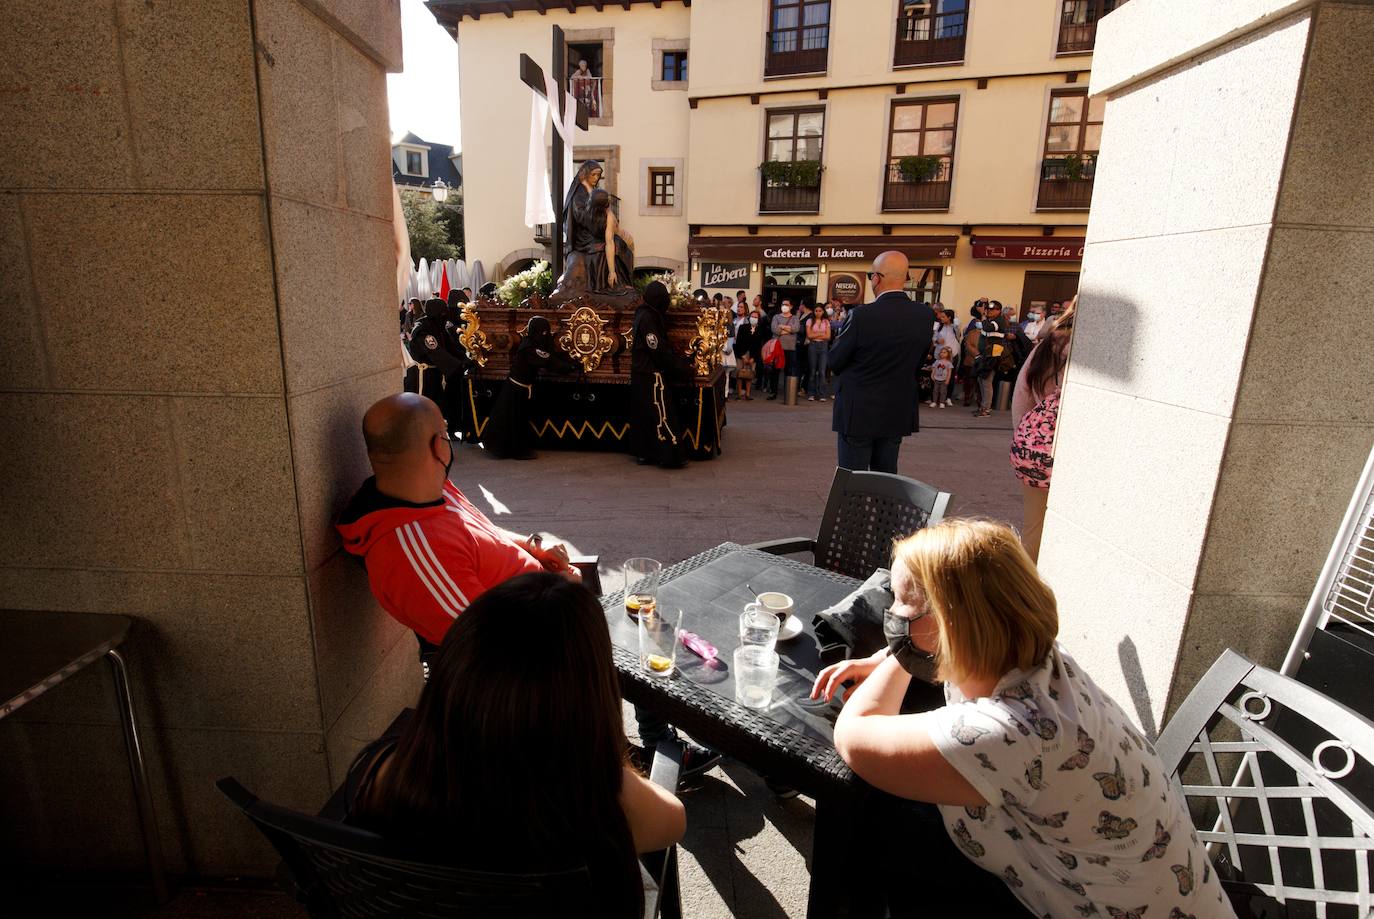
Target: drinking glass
[(641, 584), (658, 627), (756, 670), (759, 626)]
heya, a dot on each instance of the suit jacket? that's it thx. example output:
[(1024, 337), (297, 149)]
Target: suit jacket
[(876, 358)]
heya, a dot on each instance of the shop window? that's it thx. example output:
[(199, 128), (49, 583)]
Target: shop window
[(1073, 135), (798, 37), (923, 283), (661, 187), (920, 155), (790, 176), (795, 283)]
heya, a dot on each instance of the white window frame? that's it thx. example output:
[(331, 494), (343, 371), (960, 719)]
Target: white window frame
[(424, 160)]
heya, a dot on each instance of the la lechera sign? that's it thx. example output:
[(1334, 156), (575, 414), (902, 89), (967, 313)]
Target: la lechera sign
[(725, 274)]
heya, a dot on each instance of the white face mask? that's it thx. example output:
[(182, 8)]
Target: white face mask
[(753, 320), (830, 312), (787, 311)]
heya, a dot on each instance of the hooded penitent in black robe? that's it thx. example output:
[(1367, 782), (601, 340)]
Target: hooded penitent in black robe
[(508, 434), (656, 433)]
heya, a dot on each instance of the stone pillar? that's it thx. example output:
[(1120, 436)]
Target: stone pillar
[(1218, 406), (197, 288)]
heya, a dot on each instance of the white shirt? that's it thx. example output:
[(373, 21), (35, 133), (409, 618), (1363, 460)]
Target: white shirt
[(1081, 820)]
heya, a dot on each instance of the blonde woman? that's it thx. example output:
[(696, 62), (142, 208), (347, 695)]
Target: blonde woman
[(1039, 775)]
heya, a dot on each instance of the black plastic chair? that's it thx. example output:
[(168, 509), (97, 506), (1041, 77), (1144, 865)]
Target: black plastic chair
[(340, 871), (1282, 775), (865, 513)]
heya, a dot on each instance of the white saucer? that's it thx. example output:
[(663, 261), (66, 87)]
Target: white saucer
[(791, 628)]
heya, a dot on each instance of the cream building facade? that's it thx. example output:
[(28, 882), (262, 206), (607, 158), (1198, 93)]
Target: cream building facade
[(958, 131)]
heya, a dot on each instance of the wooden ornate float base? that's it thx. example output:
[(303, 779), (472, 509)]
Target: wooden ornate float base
[(569, 414), (592, 411)]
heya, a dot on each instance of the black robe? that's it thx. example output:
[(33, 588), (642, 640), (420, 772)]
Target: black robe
[(655, 430), (508, 434), (445, 381)]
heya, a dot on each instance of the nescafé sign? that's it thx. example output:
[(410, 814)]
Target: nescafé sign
[(725, 274), (846, 288)]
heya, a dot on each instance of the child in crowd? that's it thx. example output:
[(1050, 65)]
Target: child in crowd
[(940, 372)]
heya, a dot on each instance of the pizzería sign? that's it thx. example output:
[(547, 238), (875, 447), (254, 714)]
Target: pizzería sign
[(1028, 249)]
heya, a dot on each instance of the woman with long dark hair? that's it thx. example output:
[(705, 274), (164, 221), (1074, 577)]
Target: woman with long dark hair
[(1035, 406), (515, 758)]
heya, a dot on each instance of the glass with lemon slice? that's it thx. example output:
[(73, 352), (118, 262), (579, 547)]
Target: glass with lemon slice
[(658, 628)]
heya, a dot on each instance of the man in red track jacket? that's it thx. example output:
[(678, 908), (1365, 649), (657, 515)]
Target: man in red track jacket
[(429, 552)]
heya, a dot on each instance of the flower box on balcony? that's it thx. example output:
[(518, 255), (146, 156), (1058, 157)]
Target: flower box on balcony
[(791, 174)]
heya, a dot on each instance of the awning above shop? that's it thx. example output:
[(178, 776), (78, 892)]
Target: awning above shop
[(817, 248), (1029, 248)]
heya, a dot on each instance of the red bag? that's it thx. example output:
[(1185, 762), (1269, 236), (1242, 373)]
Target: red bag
[(772, 354)]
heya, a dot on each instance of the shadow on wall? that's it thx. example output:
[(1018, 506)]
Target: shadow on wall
[(1135, 683), (1106, 335)]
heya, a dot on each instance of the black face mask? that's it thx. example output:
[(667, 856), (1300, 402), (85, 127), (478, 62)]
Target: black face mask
[(918, 663)]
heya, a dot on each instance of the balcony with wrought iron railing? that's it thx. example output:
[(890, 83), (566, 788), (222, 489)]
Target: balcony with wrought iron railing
[(587, 90), (908, 193), (792, 52), (798, 193), (1078, 24), (1066, 182), (933, 38)]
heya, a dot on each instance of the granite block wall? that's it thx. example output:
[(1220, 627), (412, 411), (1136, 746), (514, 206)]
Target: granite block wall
[(1216, 415), (197, 283)]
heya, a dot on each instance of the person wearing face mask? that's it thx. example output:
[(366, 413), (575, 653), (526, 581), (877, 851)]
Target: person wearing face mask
[(428, 550), (784, 328), (946, 336), (1038, 774), (749, 339)]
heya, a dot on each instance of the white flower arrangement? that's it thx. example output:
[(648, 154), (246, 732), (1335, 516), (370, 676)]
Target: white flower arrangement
[(538, 278)]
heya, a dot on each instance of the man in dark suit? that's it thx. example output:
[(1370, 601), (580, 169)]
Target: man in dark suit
[(876, 359)]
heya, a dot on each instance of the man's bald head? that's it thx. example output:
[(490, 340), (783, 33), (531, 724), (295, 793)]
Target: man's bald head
[(399, 427), (893, 267)]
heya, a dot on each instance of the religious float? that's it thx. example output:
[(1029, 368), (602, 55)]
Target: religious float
[(591, 310)]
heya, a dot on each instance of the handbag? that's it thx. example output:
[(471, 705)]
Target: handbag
[(1032, 443)]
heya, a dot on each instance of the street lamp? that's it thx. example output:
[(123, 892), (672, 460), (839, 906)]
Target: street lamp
[(440, 191)]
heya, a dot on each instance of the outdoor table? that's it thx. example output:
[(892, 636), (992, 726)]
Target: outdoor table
[(791, 742), (38, 650)]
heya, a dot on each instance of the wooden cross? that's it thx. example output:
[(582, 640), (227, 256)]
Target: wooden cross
[(533, 77)]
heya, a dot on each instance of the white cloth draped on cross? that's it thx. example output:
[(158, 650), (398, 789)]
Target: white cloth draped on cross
[(539, 206)]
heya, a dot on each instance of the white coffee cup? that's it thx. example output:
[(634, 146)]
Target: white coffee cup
[(779, 604)]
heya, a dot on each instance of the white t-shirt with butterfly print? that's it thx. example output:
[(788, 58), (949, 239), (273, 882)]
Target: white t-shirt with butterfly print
[(1080, 819)]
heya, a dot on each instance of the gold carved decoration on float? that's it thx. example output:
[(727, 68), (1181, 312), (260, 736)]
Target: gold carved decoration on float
[(472, 337), (713, 327), (585, 338)]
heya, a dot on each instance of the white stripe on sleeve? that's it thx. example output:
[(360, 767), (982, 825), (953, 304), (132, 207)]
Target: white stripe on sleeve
[(443, 572), (420, 573)]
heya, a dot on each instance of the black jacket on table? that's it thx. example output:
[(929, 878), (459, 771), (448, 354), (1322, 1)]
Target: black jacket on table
[(431, 343), (876, 358)]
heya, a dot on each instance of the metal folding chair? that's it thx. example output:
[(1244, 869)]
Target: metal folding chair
[(865, 513), (1281, 774)]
